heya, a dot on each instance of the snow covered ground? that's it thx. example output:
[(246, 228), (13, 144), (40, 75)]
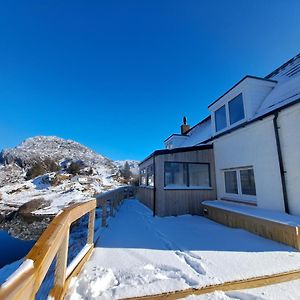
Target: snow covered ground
[(141, 255), (75, 189)]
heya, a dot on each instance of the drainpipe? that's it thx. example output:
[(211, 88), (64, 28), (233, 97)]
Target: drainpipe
[(281, 164), (154, 188)]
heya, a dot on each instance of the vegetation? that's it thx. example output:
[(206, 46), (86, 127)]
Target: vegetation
[(36, 170), (42, 167), (125, 172), (51, 165), (74, 168)]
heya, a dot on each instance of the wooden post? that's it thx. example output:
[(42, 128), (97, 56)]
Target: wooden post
[(103, 223), (91, 226), (61, 263)]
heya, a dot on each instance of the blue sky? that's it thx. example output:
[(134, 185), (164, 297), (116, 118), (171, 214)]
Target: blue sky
[(118, 76)]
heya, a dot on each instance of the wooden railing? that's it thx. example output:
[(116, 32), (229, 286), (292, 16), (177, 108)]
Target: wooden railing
[(26, 281)]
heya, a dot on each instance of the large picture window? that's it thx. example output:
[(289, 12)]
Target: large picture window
[(236, 109), (187, 175), (240, 183), (198, 175), (220, 118), (175, 174)]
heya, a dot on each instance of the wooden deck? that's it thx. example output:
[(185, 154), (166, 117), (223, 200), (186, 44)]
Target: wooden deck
[(276, 231), (26, 281)]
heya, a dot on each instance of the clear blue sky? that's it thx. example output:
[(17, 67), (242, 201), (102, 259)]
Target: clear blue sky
[(118, 76)]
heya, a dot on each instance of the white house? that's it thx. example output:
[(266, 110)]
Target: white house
[(254, 129)]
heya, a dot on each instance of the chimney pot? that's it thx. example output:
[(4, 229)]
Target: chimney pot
[(184, 127)]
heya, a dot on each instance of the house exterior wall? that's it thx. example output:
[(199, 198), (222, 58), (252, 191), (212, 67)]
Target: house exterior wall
[(182, 201), (289, 132), (253, 145)]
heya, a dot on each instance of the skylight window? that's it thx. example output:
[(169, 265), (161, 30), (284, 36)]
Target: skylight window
[(236, 109)]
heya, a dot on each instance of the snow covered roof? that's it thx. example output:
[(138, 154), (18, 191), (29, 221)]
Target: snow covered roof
[(286, 91), (198, 133)]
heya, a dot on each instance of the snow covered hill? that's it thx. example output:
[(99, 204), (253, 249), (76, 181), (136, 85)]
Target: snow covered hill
[(44, 174)]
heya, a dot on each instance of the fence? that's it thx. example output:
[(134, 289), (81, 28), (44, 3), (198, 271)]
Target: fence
[(25, 282)]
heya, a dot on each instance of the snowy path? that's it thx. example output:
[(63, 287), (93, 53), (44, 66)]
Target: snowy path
[(141, 255)]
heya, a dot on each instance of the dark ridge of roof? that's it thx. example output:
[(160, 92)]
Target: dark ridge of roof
[(277, 71), (247, 76), (177, 150)]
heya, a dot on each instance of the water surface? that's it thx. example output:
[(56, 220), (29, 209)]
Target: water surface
[(12, 249)]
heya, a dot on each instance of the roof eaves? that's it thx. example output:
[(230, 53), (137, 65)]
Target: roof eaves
[(176, 150)]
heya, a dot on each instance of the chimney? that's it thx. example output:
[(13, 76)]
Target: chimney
[(184, 127)]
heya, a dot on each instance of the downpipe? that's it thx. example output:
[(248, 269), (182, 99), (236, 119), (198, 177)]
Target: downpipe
[(281, 164)]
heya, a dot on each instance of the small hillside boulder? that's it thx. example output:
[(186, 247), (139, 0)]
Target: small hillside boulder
[(26, 210)]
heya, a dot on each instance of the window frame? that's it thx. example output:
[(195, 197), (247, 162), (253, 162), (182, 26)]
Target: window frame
[(149, 173), (243, 106), (229, 125), (239, 196), (143, 173), (187, 186), (226, 117)]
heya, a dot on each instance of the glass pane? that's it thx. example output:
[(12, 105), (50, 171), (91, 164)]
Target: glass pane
[(150, 180), (150, 176), (143, 177), (236, 109), (247, 182), (199, 175), (220, 118), (175, 174), (231, 182)]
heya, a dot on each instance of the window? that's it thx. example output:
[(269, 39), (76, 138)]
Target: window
[(236, 109), (247, 182), (169, 145), (231, 182), (143, 180), (198, 175), (150, 176), (240, 183), (175, 174), (185, 175), (220, 118)]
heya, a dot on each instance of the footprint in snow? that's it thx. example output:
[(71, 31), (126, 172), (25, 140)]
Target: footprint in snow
[(193, 261)]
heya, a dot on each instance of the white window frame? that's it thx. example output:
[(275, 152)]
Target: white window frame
[(239, 196), (228, 125)]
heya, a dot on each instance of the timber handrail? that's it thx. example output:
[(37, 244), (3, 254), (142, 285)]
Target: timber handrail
[(26, 281)]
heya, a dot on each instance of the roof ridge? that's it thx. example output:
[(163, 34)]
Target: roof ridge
[(276, 71)]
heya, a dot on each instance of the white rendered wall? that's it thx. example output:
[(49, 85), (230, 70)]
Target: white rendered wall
[(253, 145), (289, 123)]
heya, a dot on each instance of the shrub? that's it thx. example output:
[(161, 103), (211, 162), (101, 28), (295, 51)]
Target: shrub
[(74, 168), (36, 170), (51, 165), (125, 172)]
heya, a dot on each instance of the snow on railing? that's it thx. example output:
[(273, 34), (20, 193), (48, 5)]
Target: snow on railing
[(26, 281)]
